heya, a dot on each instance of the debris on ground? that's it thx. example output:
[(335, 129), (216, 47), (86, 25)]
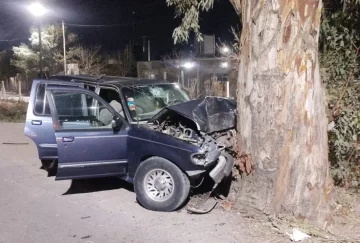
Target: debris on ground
[(201, 204), (297, 235), (227, 205), (86, 237)]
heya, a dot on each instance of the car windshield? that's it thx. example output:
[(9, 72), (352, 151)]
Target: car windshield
[(144, 102)]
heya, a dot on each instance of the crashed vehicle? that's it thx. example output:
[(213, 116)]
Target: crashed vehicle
[(147, 132)]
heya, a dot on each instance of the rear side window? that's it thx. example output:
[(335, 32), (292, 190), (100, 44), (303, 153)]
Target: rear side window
[(41, 103)]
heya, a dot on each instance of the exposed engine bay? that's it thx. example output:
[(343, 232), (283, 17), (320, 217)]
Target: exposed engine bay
[(183, 128), (207, 123)]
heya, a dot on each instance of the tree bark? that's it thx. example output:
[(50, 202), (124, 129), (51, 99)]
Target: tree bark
[(282, 125)]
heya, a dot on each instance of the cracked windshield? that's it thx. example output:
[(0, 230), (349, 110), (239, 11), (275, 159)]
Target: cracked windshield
[(145, 101)]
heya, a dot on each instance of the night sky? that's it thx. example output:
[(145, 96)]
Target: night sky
[(128, 20)]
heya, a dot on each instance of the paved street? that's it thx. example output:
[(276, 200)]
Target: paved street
[(36, 208)]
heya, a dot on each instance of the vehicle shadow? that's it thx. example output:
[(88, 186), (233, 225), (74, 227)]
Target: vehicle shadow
[(49, 174), (207, 185), (97, 184)]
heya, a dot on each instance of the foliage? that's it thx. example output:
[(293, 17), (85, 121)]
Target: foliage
[(340, 70), (191, 89), (189, 11), (124, 62), (6, 69), (26, 57), (172, 63), (11, 111), (212, 87), (88, 59)]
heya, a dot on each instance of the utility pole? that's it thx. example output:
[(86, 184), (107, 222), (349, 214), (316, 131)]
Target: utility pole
[(182, 77), (148, 50), (143, 47), (64, 43), (40, 51), (199, 84)]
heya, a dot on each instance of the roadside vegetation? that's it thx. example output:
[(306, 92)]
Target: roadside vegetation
[(12, 111)]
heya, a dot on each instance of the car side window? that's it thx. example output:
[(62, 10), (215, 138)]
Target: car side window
[(78, 110), (42, 107)]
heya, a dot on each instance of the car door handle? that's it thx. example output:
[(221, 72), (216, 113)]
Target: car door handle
[(68, 139), (36, 122)]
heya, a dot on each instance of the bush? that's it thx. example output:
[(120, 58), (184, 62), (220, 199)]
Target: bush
[(340, 70), (13, 111)]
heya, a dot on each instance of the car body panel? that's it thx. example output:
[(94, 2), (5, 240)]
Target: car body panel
[(86, 153), (144, 143), (40, 127)]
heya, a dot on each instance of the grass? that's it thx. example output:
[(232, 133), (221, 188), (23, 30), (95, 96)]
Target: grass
[(13, 111)]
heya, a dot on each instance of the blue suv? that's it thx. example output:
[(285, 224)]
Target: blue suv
[(146, 132)]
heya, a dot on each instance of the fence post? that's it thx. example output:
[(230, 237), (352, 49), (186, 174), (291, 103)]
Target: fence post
[(20, 97), (227, 89), (3, 91)]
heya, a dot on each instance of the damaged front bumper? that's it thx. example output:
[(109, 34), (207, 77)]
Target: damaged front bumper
[(222, 169), (218, 164)]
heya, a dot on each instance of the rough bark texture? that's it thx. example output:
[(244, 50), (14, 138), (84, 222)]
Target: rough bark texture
[(282, 123)]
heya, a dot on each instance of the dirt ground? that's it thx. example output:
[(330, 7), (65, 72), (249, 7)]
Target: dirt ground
[(36, 208)]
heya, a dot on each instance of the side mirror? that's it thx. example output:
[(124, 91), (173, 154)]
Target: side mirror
[(116, 123)]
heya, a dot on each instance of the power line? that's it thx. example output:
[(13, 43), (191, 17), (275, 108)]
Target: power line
[(95, 25), (14, 39), (110, 25)]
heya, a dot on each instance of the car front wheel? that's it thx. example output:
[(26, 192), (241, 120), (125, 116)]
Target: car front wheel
[(160, 185)]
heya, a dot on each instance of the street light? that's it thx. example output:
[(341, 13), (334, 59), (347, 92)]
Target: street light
[(225, 49), (38, 10), (224, 64), (188, 65)]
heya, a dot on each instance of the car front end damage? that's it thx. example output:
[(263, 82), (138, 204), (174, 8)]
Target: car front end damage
[(208, 123)]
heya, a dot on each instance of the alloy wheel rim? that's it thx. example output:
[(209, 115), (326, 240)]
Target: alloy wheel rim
[(159, 185)]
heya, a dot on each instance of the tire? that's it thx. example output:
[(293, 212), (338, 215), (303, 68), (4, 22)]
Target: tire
[(152, 185), (50, 166)]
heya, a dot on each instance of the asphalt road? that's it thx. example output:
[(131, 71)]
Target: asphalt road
[(36, 208)]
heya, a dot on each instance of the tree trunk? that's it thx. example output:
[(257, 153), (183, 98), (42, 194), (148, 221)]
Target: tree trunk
[(282, 124)]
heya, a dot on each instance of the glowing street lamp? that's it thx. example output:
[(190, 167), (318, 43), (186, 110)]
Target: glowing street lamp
[(37, 9), (188, 65), (224, 64), (225, 49)]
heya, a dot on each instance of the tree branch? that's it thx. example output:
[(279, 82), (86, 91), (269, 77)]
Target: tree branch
[(237, 6)]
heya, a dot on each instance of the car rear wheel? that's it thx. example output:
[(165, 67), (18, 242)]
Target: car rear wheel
[(160, 185), (50, 166)]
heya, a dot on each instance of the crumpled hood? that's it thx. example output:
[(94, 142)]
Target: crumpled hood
[(211, 114)]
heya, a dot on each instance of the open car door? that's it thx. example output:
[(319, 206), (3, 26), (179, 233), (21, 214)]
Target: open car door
[(39, 124), (88, 144)]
